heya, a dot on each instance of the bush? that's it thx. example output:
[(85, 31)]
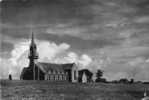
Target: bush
[(103, 80), (124, 80)]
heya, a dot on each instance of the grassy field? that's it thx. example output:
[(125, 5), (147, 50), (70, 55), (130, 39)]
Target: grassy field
[(44, 90)]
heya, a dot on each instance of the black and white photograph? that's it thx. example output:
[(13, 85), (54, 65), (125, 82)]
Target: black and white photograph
[(74, 49)]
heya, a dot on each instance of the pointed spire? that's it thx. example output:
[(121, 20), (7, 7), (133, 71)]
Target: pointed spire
[(33, 50), (32, 41), (33, 44)]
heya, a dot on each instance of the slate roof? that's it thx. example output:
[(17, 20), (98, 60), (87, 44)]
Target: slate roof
[(45, 67)]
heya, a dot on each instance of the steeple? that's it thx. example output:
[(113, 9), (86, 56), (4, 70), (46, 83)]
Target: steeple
[(33, 55), (33, 50), (32, 41)]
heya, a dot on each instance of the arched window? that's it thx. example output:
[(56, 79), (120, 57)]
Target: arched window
[(51, 77), (54, 72), (56, 77), (48, 77), (60, 77), (62, 72), (75, 75), (49, 72), (64, 77), (58, 72)]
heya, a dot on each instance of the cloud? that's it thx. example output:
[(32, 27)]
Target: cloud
[(5, 65), (18, 51), (51, 49), (6, 46), (142, 19), (137, 61), (115, 76), (143, 74), (85, 60), (66, 29), (71, 57), (16, 62), (73, 18)]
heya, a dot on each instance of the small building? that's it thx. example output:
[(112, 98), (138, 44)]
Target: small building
[(88, 75), (47, 71), (145, 96)]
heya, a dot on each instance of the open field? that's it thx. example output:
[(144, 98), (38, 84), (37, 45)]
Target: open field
[(44, 90)]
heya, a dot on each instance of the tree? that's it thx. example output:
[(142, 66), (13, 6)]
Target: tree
[(131, 80), (103, 80), (99, 74)]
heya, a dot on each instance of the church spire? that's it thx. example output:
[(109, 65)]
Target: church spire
[(33, 50), (32, 41), (33, 55)]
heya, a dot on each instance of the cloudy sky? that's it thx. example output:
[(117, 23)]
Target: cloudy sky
[(112, 35)]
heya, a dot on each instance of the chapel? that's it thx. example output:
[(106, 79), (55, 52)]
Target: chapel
[(47, 71)]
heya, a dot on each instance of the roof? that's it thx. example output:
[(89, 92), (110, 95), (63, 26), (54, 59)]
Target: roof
[(45, 67)]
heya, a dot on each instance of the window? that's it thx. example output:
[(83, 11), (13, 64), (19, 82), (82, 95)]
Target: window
[(48, 77), (60, 77), (53, 77), (75, 75), (54, 72), (58, 72), (56, 77), (49, 72), (64, 77)]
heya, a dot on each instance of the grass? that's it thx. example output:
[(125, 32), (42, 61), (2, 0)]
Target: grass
[(45, 90)]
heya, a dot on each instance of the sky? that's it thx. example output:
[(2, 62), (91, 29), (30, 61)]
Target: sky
[(111, 35)]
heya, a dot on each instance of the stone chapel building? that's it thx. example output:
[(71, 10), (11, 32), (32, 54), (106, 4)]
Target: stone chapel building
[(47, 71)]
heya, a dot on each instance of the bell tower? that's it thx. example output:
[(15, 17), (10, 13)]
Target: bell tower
[(33, 55)]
